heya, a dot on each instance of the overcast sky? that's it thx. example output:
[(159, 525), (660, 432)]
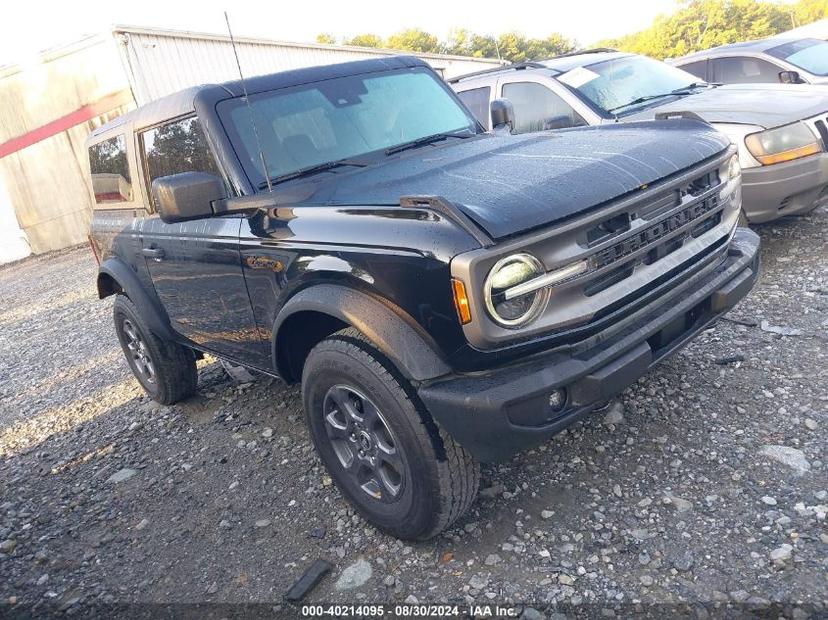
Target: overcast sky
[(32, 25)]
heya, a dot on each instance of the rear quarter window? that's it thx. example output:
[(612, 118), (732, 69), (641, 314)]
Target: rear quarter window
[(109, 170), (698, 68)]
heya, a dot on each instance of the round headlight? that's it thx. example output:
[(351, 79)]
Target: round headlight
[(506, 274)]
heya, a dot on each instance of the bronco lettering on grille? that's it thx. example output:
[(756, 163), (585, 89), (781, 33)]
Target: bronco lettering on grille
[(655, 232)]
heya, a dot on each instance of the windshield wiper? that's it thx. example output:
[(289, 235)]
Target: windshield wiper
[(644, 100), (437, 137), (684, 90), (310, 170)]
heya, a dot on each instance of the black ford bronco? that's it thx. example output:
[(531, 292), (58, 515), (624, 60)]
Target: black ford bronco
[(444, 295)]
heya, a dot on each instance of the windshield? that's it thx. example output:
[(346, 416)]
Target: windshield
[(810, 55), (613, 85), (342, 118)]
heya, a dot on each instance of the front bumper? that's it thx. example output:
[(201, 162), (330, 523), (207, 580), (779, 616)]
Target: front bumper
[(792, 188), (496, 413)]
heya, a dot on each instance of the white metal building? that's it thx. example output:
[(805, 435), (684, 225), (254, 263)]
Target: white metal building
[(149, 54), (48, 108)]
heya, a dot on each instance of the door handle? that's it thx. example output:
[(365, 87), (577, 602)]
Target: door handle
[(156, 253)]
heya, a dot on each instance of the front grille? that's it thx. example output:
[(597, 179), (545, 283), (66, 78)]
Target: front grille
[(652, 234), (820, 125), (672, 227)]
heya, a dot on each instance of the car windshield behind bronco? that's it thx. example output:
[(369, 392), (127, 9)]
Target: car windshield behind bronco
[(341, 120)]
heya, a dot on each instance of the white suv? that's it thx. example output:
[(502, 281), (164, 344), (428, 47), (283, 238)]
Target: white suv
[(782, 147)]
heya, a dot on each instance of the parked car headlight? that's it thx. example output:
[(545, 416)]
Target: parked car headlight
[(787, 143), (508, 273)]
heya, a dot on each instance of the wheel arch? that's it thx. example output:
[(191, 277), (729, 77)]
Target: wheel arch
[(115, 277), (319, 311)]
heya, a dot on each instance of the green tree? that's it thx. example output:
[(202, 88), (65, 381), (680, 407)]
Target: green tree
[(326, 38), (515, 47), (701, 24), (413, 40), (807, 11), (365, 40)]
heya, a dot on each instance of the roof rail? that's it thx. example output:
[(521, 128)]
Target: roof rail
[(594, 50), (514, 67), (532, 64)]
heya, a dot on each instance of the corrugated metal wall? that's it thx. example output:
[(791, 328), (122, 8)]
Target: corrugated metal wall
[(162, 62), (46, 182)]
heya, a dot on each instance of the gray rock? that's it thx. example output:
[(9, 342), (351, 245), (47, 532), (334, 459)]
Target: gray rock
[(811, 424), (683, 561), (412, 600), (121, 475), (492, 559), (781, 553), (547, 514), (646, 580), (8, 546), (679, 503), (354, 576), (143, 523), (478, 582), (615, 413), (792, 457), (780, 329), (770, 501), (530, 613), (262, 522)]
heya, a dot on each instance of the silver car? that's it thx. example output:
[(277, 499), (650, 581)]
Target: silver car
[(781, 131), (769, 61)]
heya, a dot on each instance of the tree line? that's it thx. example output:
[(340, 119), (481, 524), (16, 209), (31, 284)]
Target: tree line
[(702, 24), (695, 25), (511, 46)]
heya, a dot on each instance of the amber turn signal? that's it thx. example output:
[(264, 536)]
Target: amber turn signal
[(778, 158), (461, 301)]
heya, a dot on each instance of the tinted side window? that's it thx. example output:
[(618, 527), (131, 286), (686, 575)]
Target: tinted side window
[(744, 71), (477, 100), (110, 171), (176, 147), (698, 68), (537, 108)]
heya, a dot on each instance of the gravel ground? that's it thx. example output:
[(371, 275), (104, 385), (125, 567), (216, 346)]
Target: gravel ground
[(702, 492)]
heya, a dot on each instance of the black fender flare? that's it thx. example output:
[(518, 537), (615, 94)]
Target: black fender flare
[(126, 279), (409, 348)]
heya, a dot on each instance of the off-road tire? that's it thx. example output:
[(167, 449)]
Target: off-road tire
[(174, 365), (441, 478)]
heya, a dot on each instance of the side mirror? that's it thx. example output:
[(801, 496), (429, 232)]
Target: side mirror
[(790, 77), (503, 115), (187, 195)]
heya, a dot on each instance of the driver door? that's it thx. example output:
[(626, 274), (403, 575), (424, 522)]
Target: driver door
[(196, 265)]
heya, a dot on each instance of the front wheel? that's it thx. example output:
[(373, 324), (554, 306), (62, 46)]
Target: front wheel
[(383, 450)]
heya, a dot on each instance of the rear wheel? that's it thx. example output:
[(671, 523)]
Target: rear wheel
[(166, 370), (396, 467)]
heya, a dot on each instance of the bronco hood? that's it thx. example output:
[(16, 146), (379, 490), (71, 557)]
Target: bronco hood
[(510, 184), (765, 105)]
